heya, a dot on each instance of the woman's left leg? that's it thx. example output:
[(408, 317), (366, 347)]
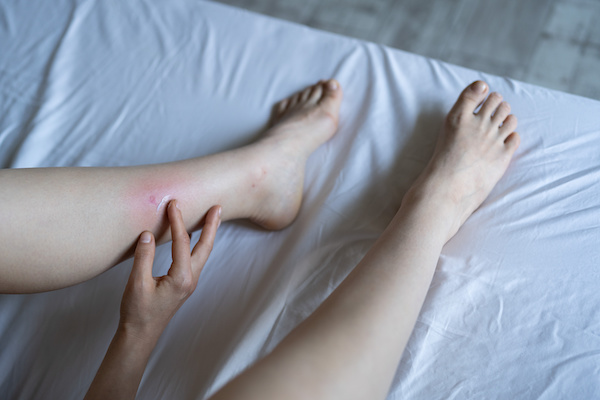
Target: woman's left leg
[(62, 226)]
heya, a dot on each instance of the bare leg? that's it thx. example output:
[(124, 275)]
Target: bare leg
[(351, 346), (62, 226)]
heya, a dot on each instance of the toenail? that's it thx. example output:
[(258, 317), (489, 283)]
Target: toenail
[(478, 87), (332, 85)]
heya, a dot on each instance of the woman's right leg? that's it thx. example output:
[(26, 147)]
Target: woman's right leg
[(62, 226), (350, 347)]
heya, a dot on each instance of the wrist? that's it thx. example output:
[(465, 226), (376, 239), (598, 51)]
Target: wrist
[(139, 335), (123, 366)]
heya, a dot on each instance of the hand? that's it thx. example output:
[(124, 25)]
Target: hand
[(150, 302)]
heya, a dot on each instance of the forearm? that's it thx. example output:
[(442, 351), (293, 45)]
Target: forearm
[(149, 303), (369, 317), (121, 370)]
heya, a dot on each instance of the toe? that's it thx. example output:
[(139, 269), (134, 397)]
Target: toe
[(331, 97), (501, 113), (512, 142), (508, 126), (281, 106), (331, 90), (490, 105), (470, 98), (305, 94), (293, 100), (316, 93), (332, 85)]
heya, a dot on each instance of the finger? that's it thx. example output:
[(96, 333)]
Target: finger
[(143, 258), (204, 246), (180, 249)]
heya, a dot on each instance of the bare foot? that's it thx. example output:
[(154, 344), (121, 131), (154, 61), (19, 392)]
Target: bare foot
[(310, 117), (300, 124), (471, 155)]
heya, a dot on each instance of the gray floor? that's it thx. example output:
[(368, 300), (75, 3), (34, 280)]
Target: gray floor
[(551, 43)]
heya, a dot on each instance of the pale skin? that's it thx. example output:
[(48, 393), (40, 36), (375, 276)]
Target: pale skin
[(149, 304), (350, 347), (261, 182)]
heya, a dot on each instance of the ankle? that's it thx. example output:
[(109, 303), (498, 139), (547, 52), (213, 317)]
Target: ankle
[(435, 208), (271, 191)]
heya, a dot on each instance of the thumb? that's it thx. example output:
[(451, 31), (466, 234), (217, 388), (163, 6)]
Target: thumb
[(143, 257)]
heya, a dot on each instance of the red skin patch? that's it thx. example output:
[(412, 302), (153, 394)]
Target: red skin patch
[(148, 198), (145, 201)]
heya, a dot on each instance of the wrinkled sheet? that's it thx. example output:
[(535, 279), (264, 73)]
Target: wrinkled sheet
[(514, 307)]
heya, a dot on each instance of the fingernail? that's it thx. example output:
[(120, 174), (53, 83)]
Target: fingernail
[(220, 209), (219, 224), (332, 85), (146, 237), (479, 87)]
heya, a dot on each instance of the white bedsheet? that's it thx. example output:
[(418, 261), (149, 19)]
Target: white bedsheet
[(514, 308)]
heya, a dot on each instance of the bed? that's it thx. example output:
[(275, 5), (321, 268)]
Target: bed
[(514, 308)]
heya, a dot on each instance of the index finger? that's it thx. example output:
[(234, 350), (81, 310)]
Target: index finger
[(204, 246), (180, 249)]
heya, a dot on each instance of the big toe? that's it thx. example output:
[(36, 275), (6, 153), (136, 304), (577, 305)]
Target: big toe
[(471, 97), (331, 97)]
